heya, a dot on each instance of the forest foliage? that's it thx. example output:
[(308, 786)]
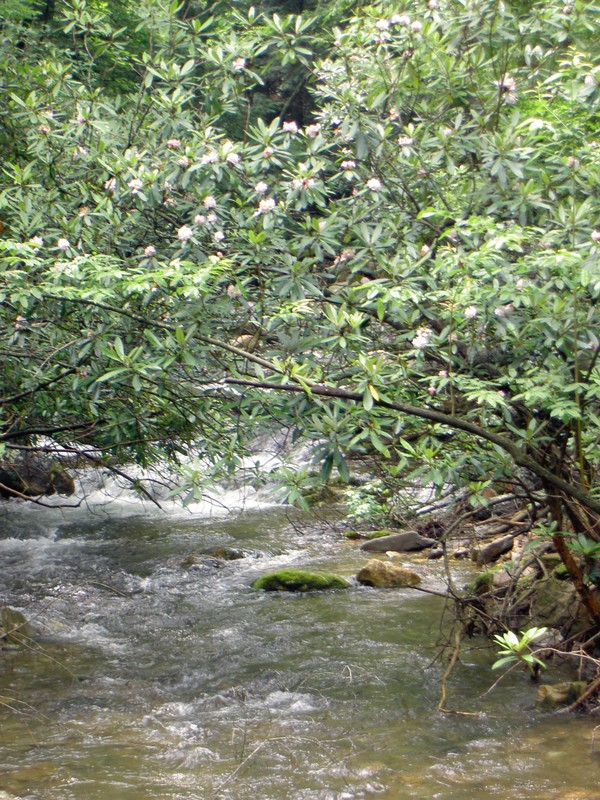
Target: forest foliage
[(374, 224)]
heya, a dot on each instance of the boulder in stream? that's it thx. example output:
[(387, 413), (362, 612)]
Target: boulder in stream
[(297, 580), (399, 542), (383, 575)]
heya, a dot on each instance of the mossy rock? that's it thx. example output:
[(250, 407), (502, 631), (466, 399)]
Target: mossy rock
[(367, 534), (297, 580), (380, 534), (560, 572), (323, 495), (14, 628), (482, 583), (551, 559)]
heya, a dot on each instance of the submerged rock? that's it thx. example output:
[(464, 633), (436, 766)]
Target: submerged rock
[(399, 542), (383, 575), (199, 562), (297, 580), (229, 553), (552, 696)]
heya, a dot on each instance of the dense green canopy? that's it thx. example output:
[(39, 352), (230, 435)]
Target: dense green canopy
[(375, 224)]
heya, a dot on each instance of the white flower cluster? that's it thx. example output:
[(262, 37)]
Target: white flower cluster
[(507, 86), (264, 206), (421, 340)]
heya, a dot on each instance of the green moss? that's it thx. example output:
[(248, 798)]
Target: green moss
[(14, 628), (369, 534), (482, 583), (560, 572), (297, 580), (322, 495)]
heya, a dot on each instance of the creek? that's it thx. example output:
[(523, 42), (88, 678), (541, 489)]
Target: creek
[(157, 673)]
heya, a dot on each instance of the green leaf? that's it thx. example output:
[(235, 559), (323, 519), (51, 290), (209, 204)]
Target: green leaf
[(501, 662)]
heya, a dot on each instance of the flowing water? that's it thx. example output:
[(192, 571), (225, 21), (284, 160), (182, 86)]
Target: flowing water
[(157, 673)]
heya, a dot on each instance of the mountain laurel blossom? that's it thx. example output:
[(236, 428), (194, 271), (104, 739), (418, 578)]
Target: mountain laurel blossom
[(507, 86), (303, 183), (421, 340), (63, 244), (135, 184), (502, 311), (374, 184), (185, 233), (266, 205)]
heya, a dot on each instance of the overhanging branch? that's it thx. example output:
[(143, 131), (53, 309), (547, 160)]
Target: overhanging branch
[(515, 452)]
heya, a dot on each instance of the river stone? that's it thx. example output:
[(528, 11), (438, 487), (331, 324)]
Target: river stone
[(436, 553), (398, 542), (492, 551), (297, 580), (383, 575)]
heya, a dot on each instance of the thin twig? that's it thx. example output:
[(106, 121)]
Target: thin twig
[(451, 664)]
